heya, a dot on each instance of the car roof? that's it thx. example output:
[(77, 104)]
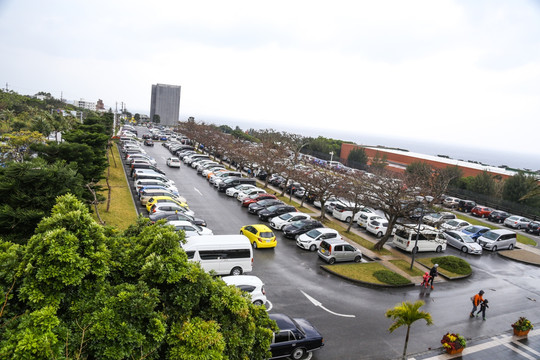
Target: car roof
[(242, 280), (261, 227), (284, 322)]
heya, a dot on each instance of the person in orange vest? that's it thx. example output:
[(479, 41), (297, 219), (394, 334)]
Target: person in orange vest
[(476, 300)]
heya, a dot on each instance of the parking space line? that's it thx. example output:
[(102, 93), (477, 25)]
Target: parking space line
[(197, 190)]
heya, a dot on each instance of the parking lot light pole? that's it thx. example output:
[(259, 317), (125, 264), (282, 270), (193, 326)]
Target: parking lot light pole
[(423, 200)]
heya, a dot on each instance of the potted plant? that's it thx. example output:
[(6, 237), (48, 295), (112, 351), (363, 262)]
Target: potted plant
[(522, 326), (453, 343)]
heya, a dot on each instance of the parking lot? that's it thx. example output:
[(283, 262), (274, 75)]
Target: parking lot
[(351, 317)]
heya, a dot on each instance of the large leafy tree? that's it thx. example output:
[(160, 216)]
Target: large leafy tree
[(358, 158), (519, 185), (405, 314), (78, 290), (29, 190)]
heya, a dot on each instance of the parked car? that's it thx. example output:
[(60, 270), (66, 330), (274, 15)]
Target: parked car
[(248, 193), (275, 210), (475, 231), (173, 162), (463, 242), (466, 205), (176, 215), (533, 227), (262, 204), (312, 239), (189, 228), (167, 199), (456, 224), (255, 198), (234, 191), (451, 202), (498, 216), (377, 227), (148, 142), (279, 221), (345, 213), (169, 207), (435, 219), (295, 338), (337, 250), (365, 218), (249, 284), (498, 239), (481, 211), (299, 227), (259, 235), (516, 222)]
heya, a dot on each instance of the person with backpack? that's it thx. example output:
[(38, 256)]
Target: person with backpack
[(476, 300), (483, 306)]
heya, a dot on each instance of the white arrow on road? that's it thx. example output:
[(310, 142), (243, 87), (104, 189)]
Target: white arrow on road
[(197, 190), (319, 304)]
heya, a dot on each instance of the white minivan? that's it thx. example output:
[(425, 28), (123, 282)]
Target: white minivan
[(498, 239), (223, 254), (429, 238)]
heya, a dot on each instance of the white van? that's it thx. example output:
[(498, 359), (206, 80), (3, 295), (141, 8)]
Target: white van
[(224, 254), (498, 239), (429, 238)]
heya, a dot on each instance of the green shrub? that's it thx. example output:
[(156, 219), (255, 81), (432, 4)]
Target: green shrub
[(390, 277), (453, 264)]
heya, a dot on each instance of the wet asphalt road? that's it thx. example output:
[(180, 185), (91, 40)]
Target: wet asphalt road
[(351, 317)]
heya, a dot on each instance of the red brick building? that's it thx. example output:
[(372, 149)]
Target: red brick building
[(399, 159)]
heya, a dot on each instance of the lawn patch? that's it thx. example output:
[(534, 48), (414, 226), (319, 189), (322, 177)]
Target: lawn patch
[(390, 277), (365, 272), (406, 266), (449, 266)]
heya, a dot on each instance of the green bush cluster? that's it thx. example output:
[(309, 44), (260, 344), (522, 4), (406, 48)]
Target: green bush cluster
[(454, 264), (390, 277)]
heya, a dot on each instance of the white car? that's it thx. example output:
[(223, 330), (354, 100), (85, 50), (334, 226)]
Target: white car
[(344, 213), (312, 239), (451, 202), (377, 227), (463, 242), (173, 162), (248, 192), (365, 218), (233, 191), (132, 157), (279, 221), (146, 182), (189, 228), (456, 224), (250, 284), (516, 222)]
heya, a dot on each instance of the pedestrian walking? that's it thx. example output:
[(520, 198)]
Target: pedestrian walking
[(425, 280), (483, 306), (476, 300), (432, 273)]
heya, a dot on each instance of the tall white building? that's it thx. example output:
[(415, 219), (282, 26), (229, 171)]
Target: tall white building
[(85, 104), (165, 102)]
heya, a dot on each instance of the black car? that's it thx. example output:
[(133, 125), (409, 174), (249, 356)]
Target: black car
[(296, 337), (275, 210), (533, 227), (498, 216), (262, 204), (146, 136), (174, 215), (299, 227), (148, 142), (466, 205)]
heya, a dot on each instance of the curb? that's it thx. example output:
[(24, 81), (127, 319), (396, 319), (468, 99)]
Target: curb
[(365, 283), (519, 260)]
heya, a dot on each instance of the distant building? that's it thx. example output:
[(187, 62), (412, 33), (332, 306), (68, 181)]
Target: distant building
[(165, 102), (85, 104), (398, 160), (100, 106)]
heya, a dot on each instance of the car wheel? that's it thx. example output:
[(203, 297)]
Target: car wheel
[(298, 354), (415, 249), (236, 271), (519, 227), (500, 221), (241, 232), (332, 261), (257, 302), (494, 248), (348, 219), (254, 244), (358, 259), (439, 249), (482, 216), (464, 249), (527, 230), (379, 234), (313, 248), (511, 246)]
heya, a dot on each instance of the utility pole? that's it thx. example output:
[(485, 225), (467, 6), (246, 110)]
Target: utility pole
[(6, 87)]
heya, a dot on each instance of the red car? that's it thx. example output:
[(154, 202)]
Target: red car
[(481, 211), (257, 197)]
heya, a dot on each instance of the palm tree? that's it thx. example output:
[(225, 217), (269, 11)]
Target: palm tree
[(406, 314)]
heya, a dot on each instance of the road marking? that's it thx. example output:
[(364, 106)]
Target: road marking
[(197, 190), (269, 306), (319, 304)]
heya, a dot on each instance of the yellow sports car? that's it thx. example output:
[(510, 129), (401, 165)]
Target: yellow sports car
[(260, 236)]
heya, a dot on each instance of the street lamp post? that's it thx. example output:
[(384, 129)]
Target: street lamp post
[(422, 200), (331, 155)]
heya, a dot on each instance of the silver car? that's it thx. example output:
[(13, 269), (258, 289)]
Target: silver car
[(463, 242), (337, 250), (517, 222)]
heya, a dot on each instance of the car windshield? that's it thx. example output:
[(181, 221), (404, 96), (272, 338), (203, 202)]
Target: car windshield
[(491, 235), (436, 215), (297, 224), (272, 208), (285, 216), (467, 239), (266, 234), (473, 229), (313, 233), (453, 223)]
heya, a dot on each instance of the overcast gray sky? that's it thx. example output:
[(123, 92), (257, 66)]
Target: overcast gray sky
[(460, 72)]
